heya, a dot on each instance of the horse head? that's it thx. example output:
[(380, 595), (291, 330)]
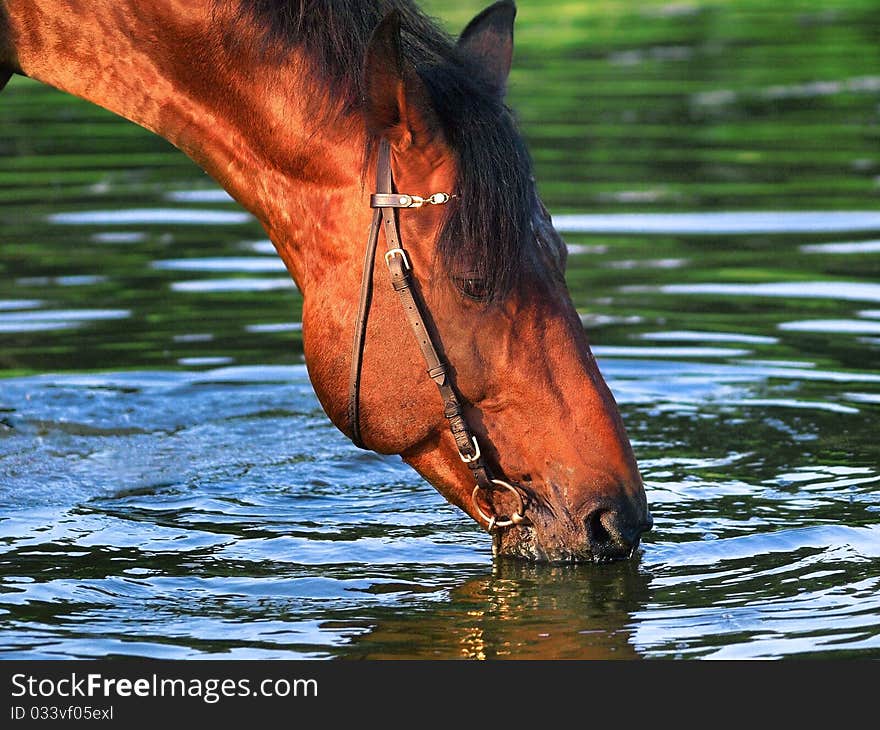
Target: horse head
[(289, 105), (489, 271)]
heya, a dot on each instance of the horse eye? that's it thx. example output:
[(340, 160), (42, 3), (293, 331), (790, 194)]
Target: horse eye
[(473, 287)]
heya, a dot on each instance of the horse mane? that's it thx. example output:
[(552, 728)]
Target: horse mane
[(486, 236)]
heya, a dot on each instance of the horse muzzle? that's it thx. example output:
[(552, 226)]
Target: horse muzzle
[(600, 533)]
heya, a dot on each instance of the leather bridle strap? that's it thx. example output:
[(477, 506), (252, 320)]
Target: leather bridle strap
[(384, 202), (360, 331)]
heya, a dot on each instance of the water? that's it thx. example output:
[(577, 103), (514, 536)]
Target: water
[(169, 486)]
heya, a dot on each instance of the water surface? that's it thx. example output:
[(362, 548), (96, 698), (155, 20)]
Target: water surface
[(169, 486)]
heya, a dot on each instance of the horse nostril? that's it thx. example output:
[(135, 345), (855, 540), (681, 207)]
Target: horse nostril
[(610, 532), (596, 531)]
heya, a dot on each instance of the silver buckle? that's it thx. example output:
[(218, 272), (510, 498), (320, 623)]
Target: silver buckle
[(417, 201), (391, 253), (470, 459)]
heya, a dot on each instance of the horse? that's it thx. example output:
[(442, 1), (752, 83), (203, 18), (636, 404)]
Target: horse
[(294, 107)]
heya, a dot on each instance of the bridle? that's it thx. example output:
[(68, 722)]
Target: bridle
[(384, 202)]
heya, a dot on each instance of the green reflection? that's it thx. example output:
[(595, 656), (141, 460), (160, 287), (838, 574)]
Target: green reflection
[(518, 611)]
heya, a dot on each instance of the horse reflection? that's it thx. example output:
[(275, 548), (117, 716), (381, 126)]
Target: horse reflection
[(519, 611)]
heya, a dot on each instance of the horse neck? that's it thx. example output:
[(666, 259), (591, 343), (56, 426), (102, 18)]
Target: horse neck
[(175, 67)]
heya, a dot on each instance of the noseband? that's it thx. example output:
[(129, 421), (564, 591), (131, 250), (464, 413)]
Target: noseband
[(384, 201)]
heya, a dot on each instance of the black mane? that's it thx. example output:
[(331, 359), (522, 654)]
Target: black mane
[(486, 234)]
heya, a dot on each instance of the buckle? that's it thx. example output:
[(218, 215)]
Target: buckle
[(391, 253), (476, 455)]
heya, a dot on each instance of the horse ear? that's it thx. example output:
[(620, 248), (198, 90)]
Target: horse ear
[(488, 42), (390, 86)]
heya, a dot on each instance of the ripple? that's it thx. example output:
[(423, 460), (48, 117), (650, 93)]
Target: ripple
[(46, 320), (204, 361), (833, 326), (150, 216), (863, 397), (580, 249), (210, 286), (10, 305), (125, 237), (244, 264), (849, 247), (685, 352), (365, 551), (80, 280), (690, 375), (790, 403), (848, 290), (67, 314), (213, 195), (194, 337), (695, 336), (272, 327), (628, 264), (217, 512), (592, 320), (257, 374), (809, 621), (22, 327), (727, 223), (263, 247), (862, 542)]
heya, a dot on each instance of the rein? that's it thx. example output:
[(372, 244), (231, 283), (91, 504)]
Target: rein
[(384, 202)]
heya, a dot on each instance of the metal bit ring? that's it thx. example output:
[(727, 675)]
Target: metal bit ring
[(495, 521)]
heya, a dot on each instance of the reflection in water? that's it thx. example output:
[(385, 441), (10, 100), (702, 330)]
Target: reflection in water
[(44, 319), (232, 285), (234, 542), (750, 222), (238, 264), (140, 216), (854, 291), (519, 611), (160, 514), (848, 247), (850, 326)]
